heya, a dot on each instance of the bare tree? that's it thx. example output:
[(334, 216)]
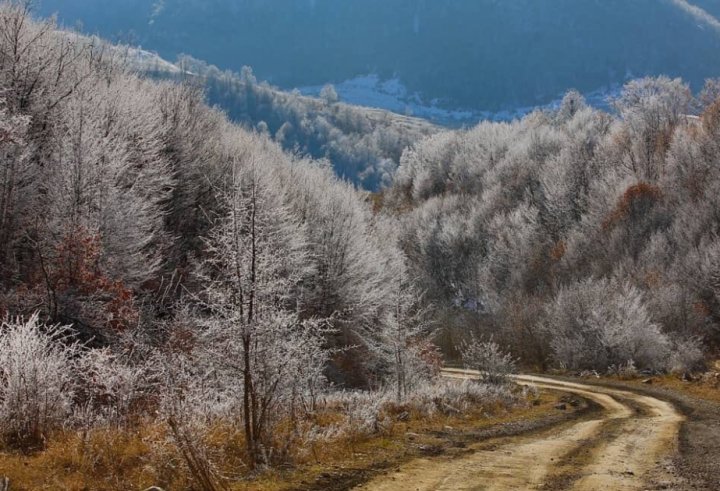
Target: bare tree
[(404, 331)]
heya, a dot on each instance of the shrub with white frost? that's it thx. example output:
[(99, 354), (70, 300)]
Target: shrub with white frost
[(36, 379), (687, 355), (451, 396), (487, 358), (110, 389), (372, 412), (596, 324)]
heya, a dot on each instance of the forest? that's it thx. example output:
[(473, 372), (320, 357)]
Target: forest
[(579, 238), (183, 297), (363, 145)]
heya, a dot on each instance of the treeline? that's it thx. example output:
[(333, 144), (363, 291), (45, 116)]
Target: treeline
[(113, 185), (578, 238), (363, 145)]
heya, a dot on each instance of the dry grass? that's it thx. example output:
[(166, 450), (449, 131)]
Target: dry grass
[(110, 459), (394, 446), (101, 459), (704, 386)]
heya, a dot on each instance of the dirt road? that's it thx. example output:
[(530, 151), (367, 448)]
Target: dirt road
[(627, 447)]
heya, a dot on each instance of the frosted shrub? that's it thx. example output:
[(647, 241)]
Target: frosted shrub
[(37, 380), (627, 370), (402, 341), (687, 355), (487, 358), (362, 409), (597, 324), (365, 413), (315, 434), (111, 389), (452, 396), (192, 392)]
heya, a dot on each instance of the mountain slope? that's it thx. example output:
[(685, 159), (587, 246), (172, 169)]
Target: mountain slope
[(363, 144), (479, 54)]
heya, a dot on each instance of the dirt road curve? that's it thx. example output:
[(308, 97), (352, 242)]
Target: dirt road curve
[(626, 447)]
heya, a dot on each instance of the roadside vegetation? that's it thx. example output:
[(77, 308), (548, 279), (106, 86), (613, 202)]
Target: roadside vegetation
[(704, 385), (349, 437)]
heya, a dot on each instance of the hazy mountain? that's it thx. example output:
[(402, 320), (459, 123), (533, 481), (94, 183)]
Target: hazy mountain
[(478, 54)]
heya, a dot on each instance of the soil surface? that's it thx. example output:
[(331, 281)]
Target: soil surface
[(642, 439), (697, 460)]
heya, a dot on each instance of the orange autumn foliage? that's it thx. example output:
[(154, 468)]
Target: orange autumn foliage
[(635, 195), (702, 308), (76, 267), (558, 251)]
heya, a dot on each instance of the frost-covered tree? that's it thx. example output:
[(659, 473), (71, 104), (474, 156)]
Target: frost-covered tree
[(16, 182), (710, 93), (254, 269), (650, 109), (194, 142), (348, 279), (402, 340), (572, 103), (112, 179), (329, 94)]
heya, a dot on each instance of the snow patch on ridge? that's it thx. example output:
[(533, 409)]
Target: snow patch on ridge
[(392, 95)]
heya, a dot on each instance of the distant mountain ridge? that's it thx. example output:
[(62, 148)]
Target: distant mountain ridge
[(483, 55)]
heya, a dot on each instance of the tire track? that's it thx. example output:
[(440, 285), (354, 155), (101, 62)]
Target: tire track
[(631, 459), (625, 445)]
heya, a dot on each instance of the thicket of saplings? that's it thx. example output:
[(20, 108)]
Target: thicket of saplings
[(178, 293)]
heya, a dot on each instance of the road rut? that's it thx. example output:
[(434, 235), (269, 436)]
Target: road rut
[(623, 449)]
